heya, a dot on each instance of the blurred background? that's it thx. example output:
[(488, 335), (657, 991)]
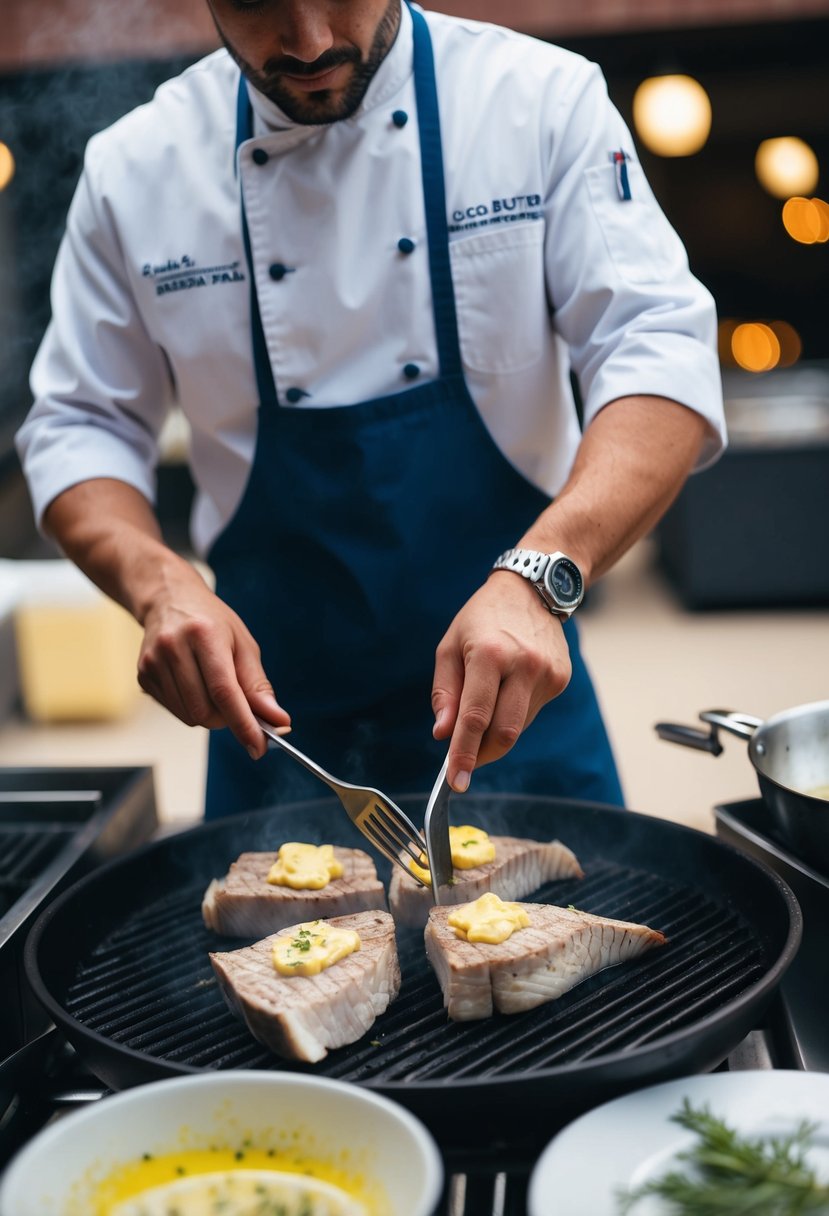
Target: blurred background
[(725, 605)]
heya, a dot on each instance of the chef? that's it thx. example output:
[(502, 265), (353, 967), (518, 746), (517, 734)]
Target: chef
[(364, 249)]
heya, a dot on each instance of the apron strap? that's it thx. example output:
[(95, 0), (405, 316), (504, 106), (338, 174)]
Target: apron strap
[(261, 360), (434, 195)]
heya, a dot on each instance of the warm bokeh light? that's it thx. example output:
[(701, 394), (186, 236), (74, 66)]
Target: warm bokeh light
[(755, 347), (6, 165), (672, 115), (822, 209), (791, 346), (806, 220), (786, 166)]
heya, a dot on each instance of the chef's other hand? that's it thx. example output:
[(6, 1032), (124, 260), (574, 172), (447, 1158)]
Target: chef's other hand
[(199, 660), (503, 657)]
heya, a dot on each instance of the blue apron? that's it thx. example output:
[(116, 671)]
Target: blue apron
[(362, 530)]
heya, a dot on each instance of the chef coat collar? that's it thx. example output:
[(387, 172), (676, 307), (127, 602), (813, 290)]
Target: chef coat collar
[(387, 80)]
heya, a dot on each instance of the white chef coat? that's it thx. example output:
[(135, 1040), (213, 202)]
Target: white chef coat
[(552, 270)]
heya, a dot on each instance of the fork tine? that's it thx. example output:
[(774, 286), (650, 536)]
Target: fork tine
[(388, 810), (394, 838), (369, 830), (392, 833)]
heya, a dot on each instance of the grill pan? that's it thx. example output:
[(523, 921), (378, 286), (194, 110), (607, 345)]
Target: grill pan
[(120, 963)]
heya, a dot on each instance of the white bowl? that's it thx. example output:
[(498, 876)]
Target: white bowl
[(56, 1174)]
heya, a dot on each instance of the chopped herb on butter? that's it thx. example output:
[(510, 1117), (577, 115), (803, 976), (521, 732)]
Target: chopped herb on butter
[(314, 947), (488, 919), (469, 846)]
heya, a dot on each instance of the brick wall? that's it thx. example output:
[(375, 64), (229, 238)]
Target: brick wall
[(48, 31), (551, 17), (42, 32)]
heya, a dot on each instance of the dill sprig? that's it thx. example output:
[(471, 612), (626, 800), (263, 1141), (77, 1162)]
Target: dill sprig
[(733, 1175)]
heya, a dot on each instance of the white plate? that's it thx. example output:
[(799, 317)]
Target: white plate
[(630, 1141)]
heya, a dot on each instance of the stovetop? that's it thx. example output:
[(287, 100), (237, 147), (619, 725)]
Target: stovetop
[(805, 989), (48, 1081), (56, 824), (44, 1079)]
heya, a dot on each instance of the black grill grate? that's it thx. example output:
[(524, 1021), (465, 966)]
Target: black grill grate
[(25, 852), (149, 986)]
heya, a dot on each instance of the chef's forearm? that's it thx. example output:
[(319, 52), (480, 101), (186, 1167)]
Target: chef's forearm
[(108, 529), (632, 462)]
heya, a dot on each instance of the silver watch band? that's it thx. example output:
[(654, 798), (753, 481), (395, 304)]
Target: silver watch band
[(527, 562), (533, 566)]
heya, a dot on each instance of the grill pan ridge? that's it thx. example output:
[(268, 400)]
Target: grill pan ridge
[(120, 961)]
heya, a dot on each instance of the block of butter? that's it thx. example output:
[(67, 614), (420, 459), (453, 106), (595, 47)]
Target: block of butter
[(77, 650)]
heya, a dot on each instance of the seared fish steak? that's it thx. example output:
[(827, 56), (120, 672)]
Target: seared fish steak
[(520, 867), (301, 1017), (245, 904), (557, 950)]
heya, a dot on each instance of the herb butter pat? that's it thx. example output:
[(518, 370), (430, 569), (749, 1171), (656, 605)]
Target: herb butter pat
[(488, 919), (470, 847), (305, 867), (313, 947)]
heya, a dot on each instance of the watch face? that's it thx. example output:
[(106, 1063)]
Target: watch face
[(564, 581)]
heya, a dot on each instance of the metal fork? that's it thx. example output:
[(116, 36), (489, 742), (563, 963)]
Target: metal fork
[(379, 819)]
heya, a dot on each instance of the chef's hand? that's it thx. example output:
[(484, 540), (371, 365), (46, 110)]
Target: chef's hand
[(197, 657), (503, 657), (200, 661)]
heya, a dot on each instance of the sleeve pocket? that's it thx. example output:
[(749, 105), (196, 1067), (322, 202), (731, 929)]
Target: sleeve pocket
[(641, 243)]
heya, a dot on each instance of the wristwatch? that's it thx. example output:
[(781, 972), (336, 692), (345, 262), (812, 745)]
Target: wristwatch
[(555, 576)]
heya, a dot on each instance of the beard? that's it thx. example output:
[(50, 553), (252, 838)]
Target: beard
[(323, 105)]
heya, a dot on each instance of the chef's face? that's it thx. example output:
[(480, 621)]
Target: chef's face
[(314, 58)]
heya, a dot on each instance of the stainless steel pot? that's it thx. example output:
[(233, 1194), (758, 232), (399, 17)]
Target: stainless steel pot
[(790, 754)]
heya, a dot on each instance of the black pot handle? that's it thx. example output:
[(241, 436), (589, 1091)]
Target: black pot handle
[(743, 725), (690, 736)]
